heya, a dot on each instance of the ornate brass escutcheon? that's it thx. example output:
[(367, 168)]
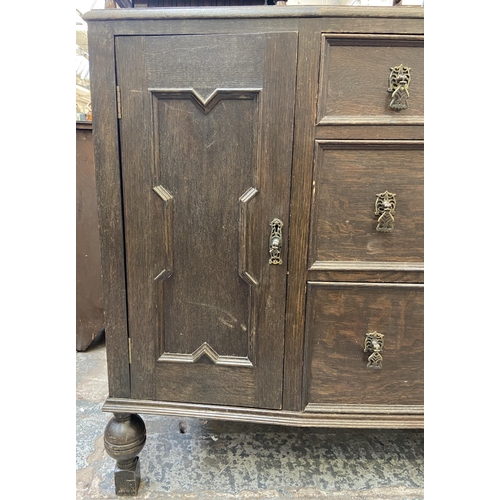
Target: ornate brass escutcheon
[(374, 343), (399, 83), (385, 207), (275, 242)]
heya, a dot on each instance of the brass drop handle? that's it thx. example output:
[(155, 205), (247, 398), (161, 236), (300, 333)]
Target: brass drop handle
[(275, 242), (374, 343), (399, 86), (385, 207)]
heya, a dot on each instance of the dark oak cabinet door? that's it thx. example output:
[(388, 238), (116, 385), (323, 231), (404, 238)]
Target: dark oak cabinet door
[(206, 134)]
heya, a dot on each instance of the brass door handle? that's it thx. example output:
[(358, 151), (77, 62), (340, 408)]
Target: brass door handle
[(385, 207), (374, 343), (275, 242), (399, 86)]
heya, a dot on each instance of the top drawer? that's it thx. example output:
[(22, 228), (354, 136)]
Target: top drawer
[(354, 80)]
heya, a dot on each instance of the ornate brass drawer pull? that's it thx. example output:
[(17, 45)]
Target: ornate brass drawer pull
[(374, 343), (275, 242), (385, 207), (399, 83)]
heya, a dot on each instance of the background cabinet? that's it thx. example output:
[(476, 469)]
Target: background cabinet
[(210, 126), (89, 301)]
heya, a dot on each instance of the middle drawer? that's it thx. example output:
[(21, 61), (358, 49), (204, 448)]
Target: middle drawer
[(367, 205)]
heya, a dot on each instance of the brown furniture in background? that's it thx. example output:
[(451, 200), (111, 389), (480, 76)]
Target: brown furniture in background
[(260, 184), (89, 300)]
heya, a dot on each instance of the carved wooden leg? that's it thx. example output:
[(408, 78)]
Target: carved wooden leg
[(124, 438)]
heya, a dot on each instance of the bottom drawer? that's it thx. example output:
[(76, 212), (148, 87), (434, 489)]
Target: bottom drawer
[(339, 317)]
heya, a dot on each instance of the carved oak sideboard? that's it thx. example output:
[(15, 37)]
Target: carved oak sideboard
[(260, 187)]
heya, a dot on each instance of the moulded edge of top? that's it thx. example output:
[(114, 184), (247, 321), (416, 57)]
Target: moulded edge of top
[(264, 11)]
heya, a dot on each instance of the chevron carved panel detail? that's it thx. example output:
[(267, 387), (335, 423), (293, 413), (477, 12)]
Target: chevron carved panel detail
[(206, 350), (168, 199), (163, 193), (220, 138), (244, 237), (205, 104)]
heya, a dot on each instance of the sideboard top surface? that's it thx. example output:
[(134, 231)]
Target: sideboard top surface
[(265, 11)]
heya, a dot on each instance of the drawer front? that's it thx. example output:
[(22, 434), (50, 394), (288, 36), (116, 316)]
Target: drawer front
[(350, 226), (339, 317), (355, 79)]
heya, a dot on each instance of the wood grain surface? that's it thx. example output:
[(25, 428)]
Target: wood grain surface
[(89, 300), (206, 120), (339, 317), (232, 117), (348, 176), (354, 79)]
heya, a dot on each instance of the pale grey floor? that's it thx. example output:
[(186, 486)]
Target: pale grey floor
[(224, 460)]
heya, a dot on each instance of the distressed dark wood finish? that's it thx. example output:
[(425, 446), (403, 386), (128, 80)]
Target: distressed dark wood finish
[(395, 20), (308, 64), (124, 438), (373, 276), (354, 78), (336, 371), (108, 183), (348, 176), (197, 212), (186, 26), (224, 169), (349, 416), (206, 218), (370, 132), (89, 301)]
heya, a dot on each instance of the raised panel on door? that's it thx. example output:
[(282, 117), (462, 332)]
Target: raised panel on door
[(206, 137)]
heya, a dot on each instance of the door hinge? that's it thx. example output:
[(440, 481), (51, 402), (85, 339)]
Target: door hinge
[(118, 102), (130, 350)]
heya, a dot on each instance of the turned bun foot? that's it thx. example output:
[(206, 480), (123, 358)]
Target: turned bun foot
[(124, 438)]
